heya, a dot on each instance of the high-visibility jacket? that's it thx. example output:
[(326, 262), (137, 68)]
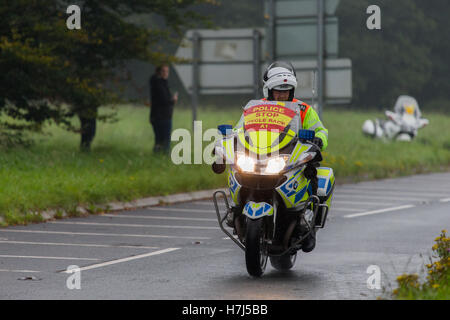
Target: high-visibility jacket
[(311, 121)]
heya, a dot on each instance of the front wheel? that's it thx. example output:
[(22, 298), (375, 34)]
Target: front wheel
[(255, 248)]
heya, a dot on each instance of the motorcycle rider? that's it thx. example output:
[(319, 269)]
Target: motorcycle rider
[(279, 84)]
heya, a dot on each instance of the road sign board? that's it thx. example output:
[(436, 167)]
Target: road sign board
[(226, 67)]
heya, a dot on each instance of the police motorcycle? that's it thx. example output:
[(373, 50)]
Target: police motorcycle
[(279, 193), (402, 124)]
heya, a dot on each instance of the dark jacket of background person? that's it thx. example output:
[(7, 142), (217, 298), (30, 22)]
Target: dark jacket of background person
[(161, 99)]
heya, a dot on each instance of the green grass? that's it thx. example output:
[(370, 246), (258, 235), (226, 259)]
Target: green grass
[(353, 155), (54, 174)]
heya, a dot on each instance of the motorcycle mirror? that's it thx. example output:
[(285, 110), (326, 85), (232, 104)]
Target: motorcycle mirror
[(225, 129), (218, 168)]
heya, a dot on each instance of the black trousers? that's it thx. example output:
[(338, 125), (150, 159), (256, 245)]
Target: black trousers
[(88, 128), (162, 129)]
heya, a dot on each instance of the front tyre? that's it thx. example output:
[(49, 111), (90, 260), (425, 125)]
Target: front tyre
[(255, 248)]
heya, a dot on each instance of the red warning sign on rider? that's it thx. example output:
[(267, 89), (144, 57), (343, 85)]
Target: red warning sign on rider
[(269, 117)]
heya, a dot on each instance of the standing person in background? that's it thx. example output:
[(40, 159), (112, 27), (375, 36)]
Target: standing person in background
[(161, 112)]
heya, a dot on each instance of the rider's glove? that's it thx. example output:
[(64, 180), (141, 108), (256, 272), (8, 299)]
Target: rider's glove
[(317, 141)]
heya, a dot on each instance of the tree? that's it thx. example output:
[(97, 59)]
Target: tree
[(388, 62), (437, 90), (50, 73)]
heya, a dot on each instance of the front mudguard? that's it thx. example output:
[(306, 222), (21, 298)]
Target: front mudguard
[(256, 210)]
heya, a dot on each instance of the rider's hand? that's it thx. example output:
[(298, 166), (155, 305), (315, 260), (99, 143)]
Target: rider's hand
[(317, 141)]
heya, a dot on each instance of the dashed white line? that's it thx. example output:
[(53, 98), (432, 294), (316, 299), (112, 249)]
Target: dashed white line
[(363, 203), (49, 258), (155, 217), (344, 209), (76, 244), (104, 264), (445, 200), (21, 271), (105, 234), (179, 209), (132, 225), (339, 196), (379, 211), (363, 190)]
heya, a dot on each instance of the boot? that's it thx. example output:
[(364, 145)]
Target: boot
[(309, 243), (230, 216)]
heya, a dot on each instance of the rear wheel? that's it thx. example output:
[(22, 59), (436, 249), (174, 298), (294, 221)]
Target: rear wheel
[(255, 248), (284, 262)]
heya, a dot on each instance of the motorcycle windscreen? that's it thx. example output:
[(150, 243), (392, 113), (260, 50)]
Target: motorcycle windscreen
[(267, 127)]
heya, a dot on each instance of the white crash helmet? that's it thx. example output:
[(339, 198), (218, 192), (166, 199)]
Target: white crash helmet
[(279, 75)]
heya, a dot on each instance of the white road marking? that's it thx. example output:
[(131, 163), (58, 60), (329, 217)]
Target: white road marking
[(155, 217), (211, 204), (76, 244), (21, 271), (50, 258), (104, 234), (363, 203), (228, 238), (390, 191), (344, 209), (104, 264), (339, 195), (379, 211), (332, 208), (179, 210), (133, 225), (445, 200)]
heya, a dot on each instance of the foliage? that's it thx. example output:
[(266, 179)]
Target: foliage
[(437, 284), (121, 166), (50, 73), (392, 61)]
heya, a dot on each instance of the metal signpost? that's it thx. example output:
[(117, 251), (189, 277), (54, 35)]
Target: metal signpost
[(320, 56), (231, 61)]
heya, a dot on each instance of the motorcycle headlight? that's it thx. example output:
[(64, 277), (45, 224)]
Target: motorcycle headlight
[(275, 165), (245, 163)]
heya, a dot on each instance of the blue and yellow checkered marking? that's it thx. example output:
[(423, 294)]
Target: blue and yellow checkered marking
[(234, 186), (256, 210), (325, 178), (295, 190)]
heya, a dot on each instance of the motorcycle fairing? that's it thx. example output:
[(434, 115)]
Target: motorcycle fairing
[(325, 181), (325, 177), (295, 189), (234, 186), (256, 210)]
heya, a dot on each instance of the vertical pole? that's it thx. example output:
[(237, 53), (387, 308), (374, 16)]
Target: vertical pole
[(320, 54), (271, 36), (195, 75), (256, 62)]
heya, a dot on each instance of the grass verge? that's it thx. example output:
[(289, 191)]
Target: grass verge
[(54, 174)]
